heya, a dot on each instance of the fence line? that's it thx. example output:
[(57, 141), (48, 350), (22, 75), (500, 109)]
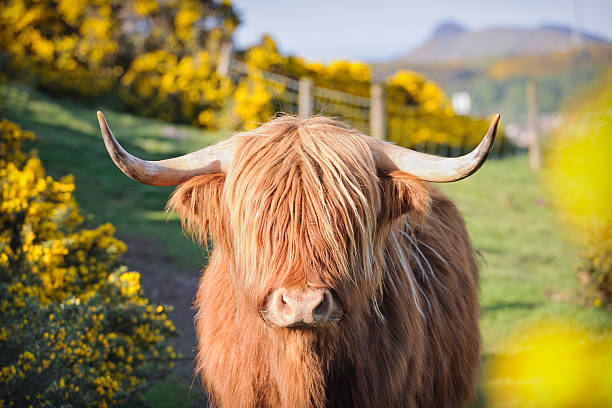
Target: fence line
[(240, 68), (342, 97), (371, 115)]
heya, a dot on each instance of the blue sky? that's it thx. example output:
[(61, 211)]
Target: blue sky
[(379, 30)]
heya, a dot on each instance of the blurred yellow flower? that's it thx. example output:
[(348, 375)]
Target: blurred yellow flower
[(580, 170), (552, 364), (130, 283), (144, 7)]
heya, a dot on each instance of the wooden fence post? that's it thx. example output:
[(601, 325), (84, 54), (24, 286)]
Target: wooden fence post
[(378, 112), (225, 58), (305, 97), (535, 153)]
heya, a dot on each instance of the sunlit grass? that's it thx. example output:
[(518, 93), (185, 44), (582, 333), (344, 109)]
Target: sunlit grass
[(526, 265), (174, 392)]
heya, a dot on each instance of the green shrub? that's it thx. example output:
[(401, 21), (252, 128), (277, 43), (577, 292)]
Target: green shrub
[(595, 266), (75, 328)]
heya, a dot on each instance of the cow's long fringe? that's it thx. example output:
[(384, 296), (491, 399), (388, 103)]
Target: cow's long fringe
[(305, 205)]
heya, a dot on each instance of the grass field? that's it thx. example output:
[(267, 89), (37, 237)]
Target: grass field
[(526, 265)]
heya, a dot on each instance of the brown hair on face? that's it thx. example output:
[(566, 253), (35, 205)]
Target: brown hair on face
[(305, 205)]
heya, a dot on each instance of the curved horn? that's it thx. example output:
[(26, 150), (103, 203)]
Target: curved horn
[(438, 169), (212, 159)]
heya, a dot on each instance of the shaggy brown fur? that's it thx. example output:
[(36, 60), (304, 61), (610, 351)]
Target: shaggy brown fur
[(305, 205)]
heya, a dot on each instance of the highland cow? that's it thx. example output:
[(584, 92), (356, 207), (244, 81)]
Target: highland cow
[(339, 276)]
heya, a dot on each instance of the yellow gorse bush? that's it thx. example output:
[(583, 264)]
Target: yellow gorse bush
[(75, 327), (420, 113), (256, 99), (253, 97), (188, 89), (595, 266), (409, 88), (84, 48), (64, 45)]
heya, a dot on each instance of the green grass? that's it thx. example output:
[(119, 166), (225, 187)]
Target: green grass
[(527, 259), (526, 265), (173, 392)]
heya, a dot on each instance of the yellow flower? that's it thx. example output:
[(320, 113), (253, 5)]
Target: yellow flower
[(144, 7), (553, 364), (130, 283)]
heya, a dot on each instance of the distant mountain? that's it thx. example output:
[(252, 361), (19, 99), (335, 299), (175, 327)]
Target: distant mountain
[(493, 64), (451, 42)]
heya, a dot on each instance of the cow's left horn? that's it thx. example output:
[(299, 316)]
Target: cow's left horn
[(212, 159), (439, 169)]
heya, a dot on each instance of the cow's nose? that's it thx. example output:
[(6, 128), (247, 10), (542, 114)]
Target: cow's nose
[(302, 307)]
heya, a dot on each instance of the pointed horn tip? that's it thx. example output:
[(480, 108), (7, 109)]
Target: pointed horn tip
[(496, 119), (102, 121), (492, 128)]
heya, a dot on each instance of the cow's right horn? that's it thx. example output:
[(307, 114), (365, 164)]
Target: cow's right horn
[(212, 159)]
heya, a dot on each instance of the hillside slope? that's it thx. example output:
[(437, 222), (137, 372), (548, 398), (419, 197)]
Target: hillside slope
[(451, 42)]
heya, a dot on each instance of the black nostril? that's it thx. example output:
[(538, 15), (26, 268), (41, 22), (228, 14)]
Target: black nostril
[(322, 309)]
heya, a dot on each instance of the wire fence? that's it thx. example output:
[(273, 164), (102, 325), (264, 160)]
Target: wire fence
[(285, 89), (350, 108), (405, 125)]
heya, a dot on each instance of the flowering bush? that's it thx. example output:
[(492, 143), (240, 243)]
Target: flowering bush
[(407, 88), (75, 328), (411, 126), (347, 76), (63, 45), (256, 99), (595, 267), (84, 48), (173, 76), (253, 98), (419, 112), (188, 89)]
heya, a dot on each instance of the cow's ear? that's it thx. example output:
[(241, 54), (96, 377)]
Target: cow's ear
[(403, 194), (198, 202)]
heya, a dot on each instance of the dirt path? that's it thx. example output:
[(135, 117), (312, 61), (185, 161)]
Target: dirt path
[(167, 283)]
